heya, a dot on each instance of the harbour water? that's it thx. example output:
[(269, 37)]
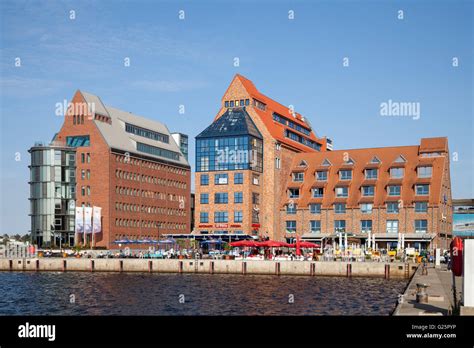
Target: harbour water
[(74, 293)]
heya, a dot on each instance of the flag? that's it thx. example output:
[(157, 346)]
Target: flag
[(88, 220), (96, 216), (79, 220)]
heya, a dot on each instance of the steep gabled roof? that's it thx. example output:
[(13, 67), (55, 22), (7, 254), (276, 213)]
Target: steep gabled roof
[(276, 129), (233, 122)]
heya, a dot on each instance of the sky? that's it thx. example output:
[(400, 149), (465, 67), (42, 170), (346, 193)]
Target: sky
[(296, 52)]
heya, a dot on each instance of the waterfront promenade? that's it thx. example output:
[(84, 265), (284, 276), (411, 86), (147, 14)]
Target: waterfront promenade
[(440, 295), (301, 268)]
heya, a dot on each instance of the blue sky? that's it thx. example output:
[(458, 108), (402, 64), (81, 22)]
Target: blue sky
[(190, 62)]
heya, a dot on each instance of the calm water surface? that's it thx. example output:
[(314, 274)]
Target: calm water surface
[(159, 294)]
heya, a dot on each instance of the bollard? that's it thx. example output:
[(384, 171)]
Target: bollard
[(421, 295), (211, 267), (244, 267), (10, 263), (121, 266), (312, 270), (64, 265), (37, 265), (277, 268), (180, 267), (387, 271), (407, 270), (92, 265), (349, 270), (150, 266)]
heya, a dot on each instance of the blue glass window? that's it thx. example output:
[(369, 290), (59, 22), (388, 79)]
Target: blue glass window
[(204, 179), (221, 179), (221, 198), (204, 198), (392, 207), (315, 208), (204, 217), (421, 207), (238, 178), (157, 151), (146, 133), (78, 141), (315, 226), (221, 216), (238, 216), (238, 197)]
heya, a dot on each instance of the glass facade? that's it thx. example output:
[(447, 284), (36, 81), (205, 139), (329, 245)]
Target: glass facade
[(157, 151), (52, 195), (146, 133), (229, 153)]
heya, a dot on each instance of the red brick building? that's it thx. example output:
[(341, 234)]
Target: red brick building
[(384, 191), (236, 194), (129, 166)]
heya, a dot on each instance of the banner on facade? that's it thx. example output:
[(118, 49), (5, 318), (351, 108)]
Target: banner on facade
[(88, 220), (96, 216), (79, 220)]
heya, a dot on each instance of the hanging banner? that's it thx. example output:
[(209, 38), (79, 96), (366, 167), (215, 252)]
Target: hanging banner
[(96, 216), (88, 220), (79, 220)]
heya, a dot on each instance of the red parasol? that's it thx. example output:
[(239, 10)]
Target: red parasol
[(305, 245), (244, 243), (272, 244)]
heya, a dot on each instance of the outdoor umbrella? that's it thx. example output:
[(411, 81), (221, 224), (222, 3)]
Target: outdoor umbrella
[(306, 245), (272, 244), (243, 243)]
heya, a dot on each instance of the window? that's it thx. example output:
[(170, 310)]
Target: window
[(77, 141), (83, 174), (221, 198), (318, 192), (422, 190), (83, 190), (425, 172), (371, 174), (238, 178), (315, 208), (340, 208), (238, 216), (226, 103), (345, 174), (392, 226), (368, 191), (278, 146), (204, 217), (291, 226), (204, 199), (394, 190), (421, 207), (247, 102), (339, 226), (315, 226), (157, 151), (294, 193), (366, 208), (88, 190), (238, 197), (74, 119), (88, 157), (255, 216), (298, 177), (83, 157), (221, 179), (322, 175), (204, 179), (365, 226), (231, 103), (277, 163), (255, 179), (396, 173), (342, 191), (291, 209), (221, 216), (392, 207), (421, 226), (255, 198), (88, 174), (241, 102)]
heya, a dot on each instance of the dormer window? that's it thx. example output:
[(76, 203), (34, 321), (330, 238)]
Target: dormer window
[(371, 174), (375, 160), (258, 104), (345, 175), (400, 159), (298, 177), (425, 172), (226, 103), (231, 103), (326, 163)]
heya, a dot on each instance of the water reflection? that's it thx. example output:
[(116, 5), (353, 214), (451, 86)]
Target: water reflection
[(159, 294)]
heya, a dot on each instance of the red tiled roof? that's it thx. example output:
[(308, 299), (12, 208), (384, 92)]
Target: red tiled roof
[(361, 157), (276, 129)]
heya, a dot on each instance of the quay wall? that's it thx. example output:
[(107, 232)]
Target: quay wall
[(303, 268)]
